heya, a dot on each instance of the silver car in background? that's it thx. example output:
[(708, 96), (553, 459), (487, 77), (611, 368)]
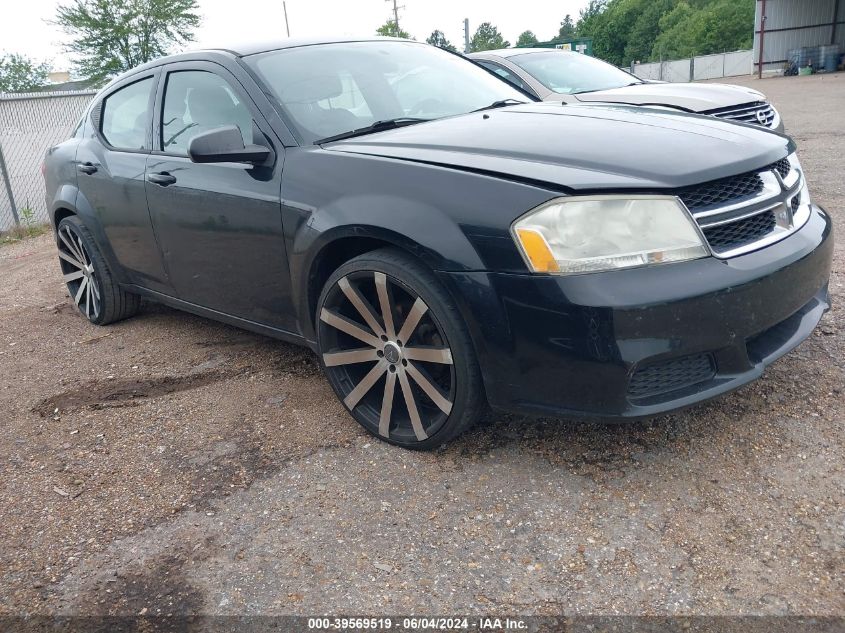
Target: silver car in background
[(556, 75)]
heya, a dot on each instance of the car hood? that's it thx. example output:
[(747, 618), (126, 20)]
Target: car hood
[(690, 97), (580, 147)]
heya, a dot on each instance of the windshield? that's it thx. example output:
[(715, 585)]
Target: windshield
[(329, 89), (571, 73)]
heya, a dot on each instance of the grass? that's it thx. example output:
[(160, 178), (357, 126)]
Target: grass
[(28, 228)]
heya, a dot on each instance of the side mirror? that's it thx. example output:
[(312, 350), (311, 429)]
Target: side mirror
[(225, 145)]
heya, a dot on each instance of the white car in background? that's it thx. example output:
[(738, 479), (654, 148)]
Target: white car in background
[(556, 75)]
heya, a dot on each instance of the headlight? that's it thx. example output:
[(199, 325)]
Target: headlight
[(591, 233)]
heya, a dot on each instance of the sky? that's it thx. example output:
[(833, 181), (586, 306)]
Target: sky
[(25, 25)]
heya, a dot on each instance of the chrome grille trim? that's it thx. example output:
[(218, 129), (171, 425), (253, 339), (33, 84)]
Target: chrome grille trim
[(757, 113), (776, 197), (737, 218)]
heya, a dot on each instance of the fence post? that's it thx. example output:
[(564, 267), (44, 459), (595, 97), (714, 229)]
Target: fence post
[(8, 184), (692, 68)]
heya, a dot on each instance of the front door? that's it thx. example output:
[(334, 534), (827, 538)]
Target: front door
[(219, 225)]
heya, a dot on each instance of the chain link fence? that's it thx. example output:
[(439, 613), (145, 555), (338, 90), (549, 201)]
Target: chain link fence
[(29, 125)]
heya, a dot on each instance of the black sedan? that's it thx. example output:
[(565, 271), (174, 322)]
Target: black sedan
[(441, 244)]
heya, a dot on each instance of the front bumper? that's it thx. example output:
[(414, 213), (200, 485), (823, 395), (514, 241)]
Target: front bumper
[(640, 342)]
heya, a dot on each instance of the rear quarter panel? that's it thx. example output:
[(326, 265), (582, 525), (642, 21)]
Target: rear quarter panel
[(60, 177)]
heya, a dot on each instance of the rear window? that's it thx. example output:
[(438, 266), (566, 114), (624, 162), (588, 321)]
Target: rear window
[(126, 115)]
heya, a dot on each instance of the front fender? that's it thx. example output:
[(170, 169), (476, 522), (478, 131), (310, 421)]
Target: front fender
[(452, 220)]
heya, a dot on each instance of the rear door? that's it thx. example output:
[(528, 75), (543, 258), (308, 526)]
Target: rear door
[(219, 225), (111, 163)]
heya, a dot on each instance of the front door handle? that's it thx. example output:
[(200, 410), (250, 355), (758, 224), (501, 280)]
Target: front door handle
[(161, 178), (88, 168)]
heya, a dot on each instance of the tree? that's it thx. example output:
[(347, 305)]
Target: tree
[(487, 38), (391, 29), (19, 73), (112, 36), (526, 38), (567, 29), (591, 11), (438, 39), (629, 30), (645, 30)]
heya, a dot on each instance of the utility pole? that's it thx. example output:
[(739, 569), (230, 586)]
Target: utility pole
[(466, 35), (396, 15), (285, 7)]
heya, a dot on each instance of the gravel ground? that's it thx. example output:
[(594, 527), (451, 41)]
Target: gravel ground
[(172, 465)]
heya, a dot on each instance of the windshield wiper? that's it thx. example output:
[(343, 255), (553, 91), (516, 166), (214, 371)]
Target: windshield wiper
[(378, 126), (583, 92), (500, 104)]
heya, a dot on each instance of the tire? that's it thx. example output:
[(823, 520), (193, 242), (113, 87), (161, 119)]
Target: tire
[(90, 282), (374, 372)]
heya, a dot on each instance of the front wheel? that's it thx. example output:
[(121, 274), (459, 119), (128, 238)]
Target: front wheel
[(397, 352)]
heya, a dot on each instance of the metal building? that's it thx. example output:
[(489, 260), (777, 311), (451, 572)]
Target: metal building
[(784, 25)]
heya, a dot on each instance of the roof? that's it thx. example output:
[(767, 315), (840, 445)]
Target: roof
[(511, 52), (252, 47)]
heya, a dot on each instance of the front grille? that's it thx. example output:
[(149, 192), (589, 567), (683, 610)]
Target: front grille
[(723, 191), (783, 167), (726, 237), (671, 375), (738, 211), (758, 113)]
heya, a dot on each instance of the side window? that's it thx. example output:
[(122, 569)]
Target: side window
[(195, 102), (507, 75), (126, 114)]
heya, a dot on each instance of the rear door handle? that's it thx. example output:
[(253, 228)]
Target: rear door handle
[(161, 178), (88, 168)]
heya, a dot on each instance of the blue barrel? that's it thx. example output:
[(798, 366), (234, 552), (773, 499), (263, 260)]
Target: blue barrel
[(829, 57)]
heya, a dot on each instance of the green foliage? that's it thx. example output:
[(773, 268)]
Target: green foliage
[(641, 30), (18, 233), (21, 74), (588, 16), (487, 38), (391, 29), (526, 38), (687, 31), (112, 36), (437, 38), (568, 30), (645, 29), (27, 216), (28, 227)]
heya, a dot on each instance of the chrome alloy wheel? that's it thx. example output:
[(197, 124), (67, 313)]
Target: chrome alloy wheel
[(79, 273), (402, 343)]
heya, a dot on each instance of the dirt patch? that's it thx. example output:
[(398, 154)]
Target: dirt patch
[(98, 393), (155, 587)]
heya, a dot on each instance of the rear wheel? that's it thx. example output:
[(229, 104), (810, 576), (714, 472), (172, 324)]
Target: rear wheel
[(397, 352), (89, 281)]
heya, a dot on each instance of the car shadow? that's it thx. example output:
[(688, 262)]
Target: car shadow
[(600, 447)]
